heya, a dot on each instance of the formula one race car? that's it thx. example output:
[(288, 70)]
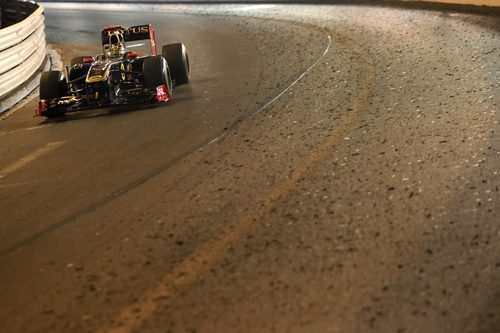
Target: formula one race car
[(116, 77)]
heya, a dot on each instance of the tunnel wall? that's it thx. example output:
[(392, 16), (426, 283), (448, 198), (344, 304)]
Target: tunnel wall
[(469, 2), (494, 3)]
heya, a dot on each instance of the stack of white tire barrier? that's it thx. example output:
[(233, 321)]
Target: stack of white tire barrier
[(22, 43)]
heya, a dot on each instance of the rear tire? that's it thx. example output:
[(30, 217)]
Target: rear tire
[(155, 72), (78, 60), (178, 61)]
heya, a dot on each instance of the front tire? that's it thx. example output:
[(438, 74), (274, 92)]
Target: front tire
[(178, 61), (53, 86), (155, 72)]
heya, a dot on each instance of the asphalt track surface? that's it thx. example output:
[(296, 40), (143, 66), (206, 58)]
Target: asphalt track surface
[(328, 169)]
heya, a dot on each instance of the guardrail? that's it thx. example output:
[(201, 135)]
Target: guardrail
[(22, 43)]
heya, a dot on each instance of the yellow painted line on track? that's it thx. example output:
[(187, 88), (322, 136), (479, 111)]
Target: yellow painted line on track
[(18, 184), (22, 162), (131, 317), (25, 129)]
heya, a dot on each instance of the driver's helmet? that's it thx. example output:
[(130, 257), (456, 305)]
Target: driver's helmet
[(116, 45)]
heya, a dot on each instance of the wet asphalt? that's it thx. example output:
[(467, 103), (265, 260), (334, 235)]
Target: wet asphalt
[(328, 169)]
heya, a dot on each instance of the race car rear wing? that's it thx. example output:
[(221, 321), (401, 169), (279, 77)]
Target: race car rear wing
[(139, 32)]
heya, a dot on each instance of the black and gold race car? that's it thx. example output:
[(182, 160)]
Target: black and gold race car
[(119, 76)]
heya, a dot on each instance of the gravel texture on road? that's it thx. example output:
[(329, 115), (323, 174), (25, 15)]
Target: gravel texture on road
[(363, 197)]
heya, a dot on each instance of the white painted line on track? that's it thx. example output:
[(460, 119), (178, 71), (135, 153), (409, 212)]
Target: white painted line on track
[(296, 81), (265, 106), (22, 162), (215, 140)]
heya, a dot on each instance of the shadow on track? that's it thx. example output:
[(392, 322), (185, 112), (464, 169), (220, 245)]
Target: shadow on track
[(100, 112)]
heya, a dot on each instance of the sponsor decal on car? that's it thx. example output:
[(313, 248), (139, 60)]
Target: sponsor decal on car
[(162, 94)]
